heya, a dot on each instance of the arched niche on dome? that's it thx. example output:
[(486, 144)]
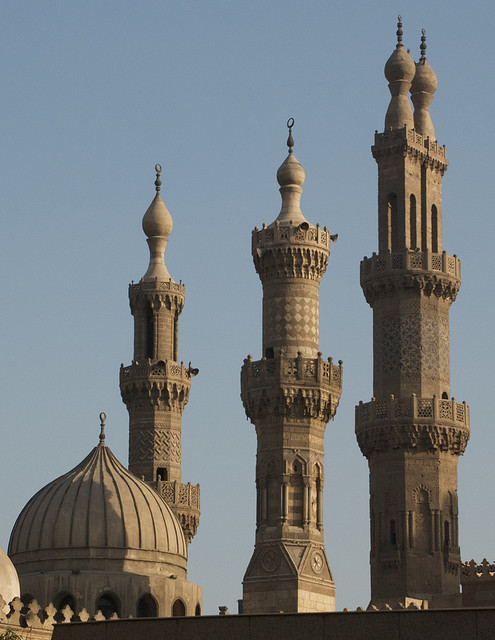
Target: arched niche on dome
[(62, 600), (197, 611), (108, 603), (147, 607), (178, 608)]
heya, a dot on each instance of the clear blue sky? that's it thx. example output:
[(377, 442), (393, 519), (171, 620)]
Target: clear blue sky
[(93, 95)]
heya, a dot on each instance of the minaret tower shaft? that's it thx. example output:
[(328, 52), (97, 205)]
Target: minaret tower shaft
[(412, 432), (155, 387), (290, 395)]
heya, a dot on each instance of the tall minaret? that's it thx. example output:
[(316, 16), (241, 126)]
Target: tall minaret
[(155, 387), (412, 431), (290, 395)]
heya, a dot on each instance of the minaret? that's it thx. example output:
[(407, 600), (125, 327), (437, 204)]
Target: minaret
[(155, 387), (412, 431), (290, 395)]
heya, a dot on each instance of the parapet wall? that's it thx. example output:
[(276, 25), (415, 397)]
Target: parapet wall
[(468, 624)]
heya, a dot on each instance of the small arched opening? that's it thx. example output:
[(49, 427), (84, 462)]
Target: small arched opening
[(61, 601), (393, 533), (147, 607), (434, 229), (108, 603), (197, 611), (150, 332), (413, 231), (178, 608), (393, 222)]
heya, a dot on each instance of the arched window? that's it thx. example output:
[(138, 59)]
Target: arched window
[(61, 601), (178, 609), (197, 611), (393, 223), (434, 229), (413, 233), (108, 604), (296, 493), (445, 396), (150, 336), (147, 607)]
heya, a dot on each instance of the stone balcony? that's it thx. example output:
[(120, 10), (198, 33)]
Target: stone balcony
[(414, 142), (412, 422), (407, 260), (184, 500), (292, 388), (291, 234)]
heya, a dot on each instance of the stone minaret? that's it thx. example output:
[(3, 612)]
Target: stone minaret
[(290, 395), (412, 431), (155, 387)]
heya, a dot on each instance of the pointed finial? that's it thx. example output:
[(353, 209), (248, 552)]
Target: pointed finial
[(399, 31), (103, 417), (290, 139), (158, 182), (422, 47)]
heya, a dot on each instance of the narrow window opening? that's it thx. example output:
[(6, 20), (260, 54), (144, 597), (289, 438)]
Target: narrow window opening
[(149, 333), (197, 611), (446, 528), (412, 223), (393, 534), (434, 229), (269, 353), (393, 223), (176, 338), (445, 396), (162, 473)]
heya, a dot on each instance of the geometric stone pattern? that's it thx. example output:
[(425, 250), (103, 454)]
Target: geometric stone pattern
[(294, 318), (401, 337)]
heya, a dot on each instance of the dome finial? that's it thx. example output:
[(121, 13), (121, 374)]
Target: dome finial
[(422, 47), (158, 182), (290, 139), (399, 31), (103, 417)]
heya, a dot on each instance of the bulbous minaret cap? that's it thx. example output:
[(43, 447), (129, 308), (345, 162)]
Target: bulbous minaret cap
[(290, 171), (157, 225), (423, 87), (157, 220), (399, 71), (290, 177), (425, 78)]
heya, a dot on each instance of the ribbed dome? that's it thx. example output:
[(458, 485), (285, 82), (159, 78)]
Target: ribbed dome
[(99, 505)]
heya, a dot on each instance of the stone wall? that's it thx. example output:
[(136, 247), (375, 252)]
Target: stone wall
[(468, 624)]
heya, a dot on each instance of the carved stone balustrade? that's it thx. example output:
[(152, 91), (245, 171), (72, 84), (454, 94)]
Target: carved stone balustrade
[(412, 422), (291, 387)]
